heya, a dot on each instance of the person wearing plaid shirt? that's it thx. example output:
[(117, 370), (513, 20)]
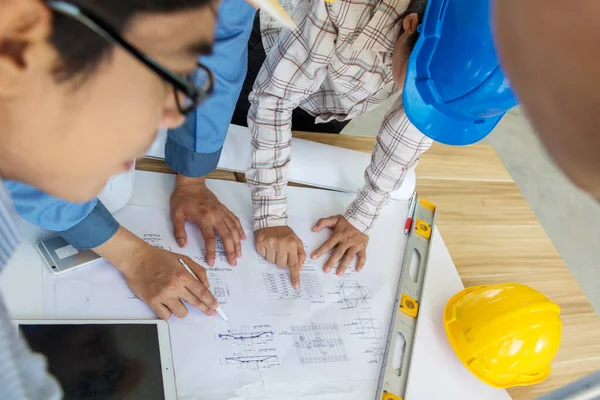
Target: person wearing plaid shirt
[(344, 58)]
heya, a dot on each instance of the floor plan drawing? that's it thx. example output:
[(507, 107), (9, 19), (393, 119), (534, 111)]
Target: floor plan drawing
[(317, 344), (328, 334), (279, 286)]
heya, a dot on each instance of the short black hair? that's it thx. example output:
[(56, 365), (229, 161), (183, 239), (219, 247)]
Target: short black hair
[(81, 50), (415, 7)]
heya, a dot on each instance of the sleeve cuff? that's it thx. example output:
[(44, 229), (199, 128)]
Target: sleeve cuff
[(268, 222), (358, 224), (362, 215), (187, 163), (93, 230)]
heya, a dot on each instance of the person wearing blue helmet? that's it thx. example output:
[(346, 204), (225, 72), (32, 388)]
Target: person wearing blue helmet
[(455, 90), (343, 59)]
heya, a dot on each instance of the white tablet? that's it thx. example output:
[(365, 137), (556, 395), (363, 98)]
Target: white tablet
[(106, 359)]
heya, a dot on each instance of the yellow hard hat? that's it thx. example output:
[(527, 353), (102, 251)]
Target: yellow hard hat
[(505, 334)]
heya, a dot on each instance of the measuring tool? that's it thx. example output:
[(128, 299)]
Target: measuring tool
[(393, 379)]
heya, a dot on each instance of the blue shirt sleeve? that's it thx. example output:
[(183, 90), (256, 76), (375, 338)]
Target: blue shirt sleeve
[(83, 225), (194, 149)]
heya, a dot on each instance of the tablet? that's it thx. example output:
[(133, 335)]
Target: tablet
[(105, 359)]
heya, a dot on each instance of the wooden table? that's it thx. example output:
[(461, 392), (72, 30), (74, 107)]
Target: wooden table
[(493, 237)]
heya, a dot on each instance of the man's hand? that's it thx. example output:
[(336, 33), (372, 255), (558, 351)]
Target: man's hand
[(193, 201), (281, 246), (347, 242), (157, 277)]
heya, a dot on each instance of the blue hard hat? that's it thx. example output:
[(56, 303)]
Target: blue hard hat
[(455, 90)]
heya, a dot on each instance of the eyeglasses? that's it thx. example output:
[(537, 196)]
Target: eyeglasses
[(190, 91)]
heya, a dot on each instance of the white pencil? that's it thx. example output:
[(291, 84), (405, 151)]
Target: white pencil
[(219, 310)]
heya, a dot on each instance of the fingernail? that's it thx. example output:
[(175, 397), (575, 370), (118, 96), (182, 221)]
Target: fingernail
[(314, 256), (340, 273), (180, 242), (213, 313), (327, 269)]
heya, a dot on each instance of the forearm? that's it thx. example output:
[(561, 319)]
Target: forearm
[(294, 68), (182, 181), (121, 250), (267, 176), (398, 148)]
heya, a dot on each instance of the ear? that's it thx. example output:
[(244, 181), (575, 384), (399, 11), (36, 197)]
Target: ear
[(24, 28), (410, 22)]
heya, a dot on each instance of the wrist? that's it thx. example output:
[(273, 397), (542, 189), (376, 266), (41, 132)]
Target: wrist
[(183, 181), (124, 251), (362, 224), (268, 222)]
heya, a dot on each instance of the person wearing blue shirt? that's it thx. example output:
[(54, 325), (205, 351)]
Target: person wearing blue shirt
[(192, 150)]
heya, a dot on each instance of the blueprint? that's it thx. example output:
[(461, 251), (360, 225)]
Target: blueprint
[(330, 332)]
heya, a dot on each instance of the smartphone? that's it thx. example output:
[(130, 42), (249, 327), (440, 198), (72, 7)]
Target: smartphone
[(61, 257)]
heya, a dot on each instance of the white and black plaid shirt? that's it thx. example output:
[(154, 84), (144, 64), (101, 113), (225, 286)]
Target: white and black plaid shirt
[(336, 65)]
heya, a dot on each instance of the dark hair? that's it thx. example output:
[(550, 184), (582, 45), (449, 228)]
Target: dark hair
[(417, 7), (81, 50)]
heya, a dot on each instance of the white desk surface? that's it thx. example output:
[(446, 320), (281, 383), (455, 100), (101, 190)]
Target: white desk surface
[(436, 373)]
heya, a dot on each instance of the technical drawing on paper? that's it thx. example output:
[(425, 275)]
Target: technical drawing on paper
[(352, 294), (262, 260), (218, 288), (253, 359), (248, 336), (376, 352), (367, 325), (318, 344), (155, 240), (279, 286)]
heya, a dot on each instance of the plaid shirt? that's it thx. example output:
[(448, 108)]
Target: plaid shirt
[(336, 65)]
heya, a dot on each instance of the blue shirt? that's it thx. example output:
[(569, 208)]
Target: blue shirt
[(192, 150)]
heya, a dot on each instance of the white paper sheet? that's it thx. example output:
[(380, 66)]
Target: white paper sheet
[(327, 337), (312, 163)]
